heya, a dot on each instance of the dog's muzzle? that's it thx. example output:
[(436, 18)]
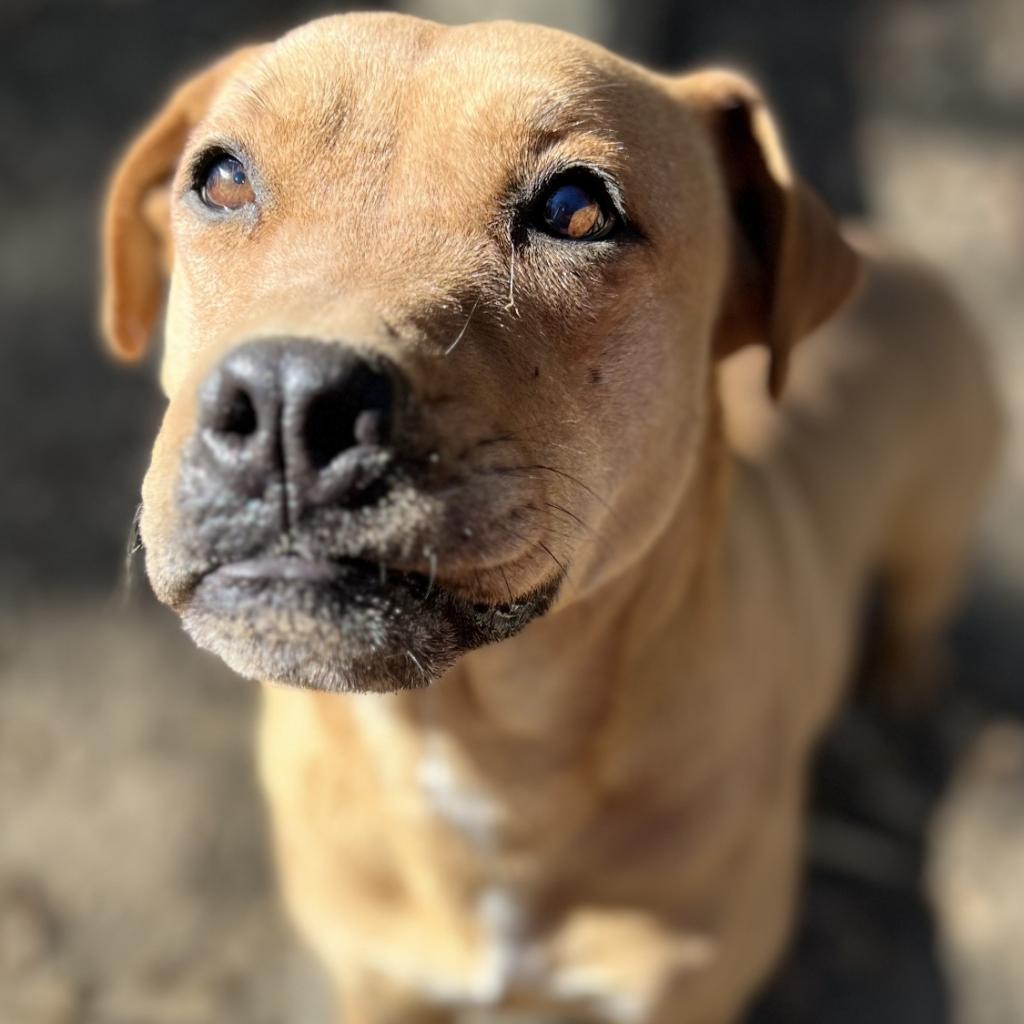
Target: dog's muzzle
[(307, 522)]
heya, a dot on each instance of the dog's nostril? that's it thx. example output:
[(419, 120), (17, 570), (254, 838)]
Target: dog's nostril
[(237, 415), (356, 411), (329, 429)]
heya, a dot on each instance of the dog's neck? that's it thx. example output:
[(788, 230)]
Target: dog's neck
[(555, 677)]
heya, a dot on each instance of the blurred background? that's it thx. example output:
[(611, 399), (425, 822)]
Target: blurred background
[(135, 886)]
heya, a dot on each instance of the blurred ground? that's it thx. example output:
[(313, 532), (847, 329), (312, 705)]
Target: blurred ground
[(135, 886)]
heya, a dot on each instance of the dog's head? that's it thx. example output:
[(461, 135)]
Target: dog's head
[(444, 310)]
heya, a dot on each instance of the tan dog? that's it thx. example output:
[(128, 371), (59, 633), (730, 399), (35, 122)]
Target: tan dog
[(447, 315)]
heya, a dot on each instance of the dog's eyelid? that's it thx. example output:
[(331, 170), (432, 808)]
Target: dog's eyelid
[(570, 169), (205, 148), (574, 201), (613, 189), (629, 226), (208, 153)]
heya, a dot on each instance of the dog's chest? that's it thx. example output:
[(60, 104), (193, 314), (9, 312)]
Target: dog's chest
[(490, 869), (460, 819)]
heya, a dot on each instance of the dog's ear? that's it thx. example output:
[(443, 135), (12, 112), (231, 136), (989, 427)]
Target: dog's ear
[(790, 268), (136, 221)]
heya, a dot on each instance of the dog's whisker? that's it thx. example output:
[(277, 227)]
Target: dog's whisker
[(564, 570), (510, 306), (586, 487), (497, 439), (568, 512), (562, 533), (508, 586), (566, 476), (451, 348), (562, 447), (539, 443), (135, 543), (412, 657), (134, 546), (432, 559)]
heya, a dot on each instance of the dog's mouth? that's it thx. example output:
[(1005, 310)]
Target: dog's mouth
[(344, 624)]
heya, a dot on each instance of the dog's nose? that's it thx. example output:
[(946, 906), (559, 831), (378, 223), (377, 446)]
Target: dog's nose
[(316, 415)]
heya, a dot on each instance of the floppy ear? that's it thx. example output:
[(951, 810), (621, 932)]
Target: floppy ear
[(136, 222), (790, 268)]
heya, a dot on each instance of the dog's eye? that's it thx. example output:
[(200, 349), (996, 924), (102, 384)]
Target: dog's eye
[(224, 184), (577, 208)]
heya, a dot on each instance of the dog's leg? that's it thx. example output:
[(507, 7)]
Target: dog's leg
[(921, 579), (905, 661), (951, 436), (379, 1003), (624, 965)]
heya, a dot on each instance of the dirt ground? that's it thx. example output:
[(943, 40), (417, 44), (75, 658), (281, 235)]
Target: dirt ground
[(135, 881)]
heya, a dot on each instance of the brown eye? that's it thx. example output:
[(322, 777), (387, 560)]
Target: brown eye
[(226, 185), (578, 210)]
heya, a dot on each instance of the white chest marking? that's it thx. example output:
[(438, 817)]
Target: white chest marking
[(476, 818), (471, 812)]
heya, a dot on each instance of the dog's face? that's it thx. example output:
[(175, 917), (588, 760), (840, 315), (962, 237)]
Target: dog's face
[(444, 310)]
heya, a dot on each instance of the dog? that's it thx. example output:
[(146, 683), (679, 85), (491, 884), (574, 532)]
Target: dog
[(488, 441)]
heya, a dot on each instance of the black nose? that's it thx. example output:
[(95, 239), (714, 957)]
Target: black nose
[(317, 415)]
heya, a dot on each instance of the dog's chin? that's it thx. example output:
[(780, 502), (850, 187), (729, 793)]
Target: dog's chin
[(343, 626)]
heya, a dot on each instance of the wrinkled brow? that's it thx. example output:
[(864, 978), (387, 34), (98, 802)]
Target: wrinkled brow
[(544, 111), (263, 91), (543, 116)]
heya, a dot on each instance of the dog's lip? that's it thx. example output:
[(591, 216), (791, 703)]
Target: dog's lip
[(284, 567), (350, 573), (356, 573)]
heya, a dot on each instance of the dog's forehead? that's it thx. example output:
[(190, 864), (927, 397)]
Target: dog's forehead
[(382, 75)]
